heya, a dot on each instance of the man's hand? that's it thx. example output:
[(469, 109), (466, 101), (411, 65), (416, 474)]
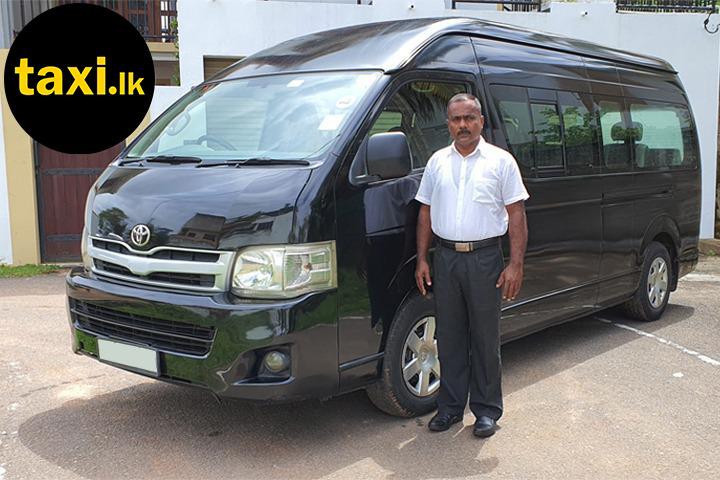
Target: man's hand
[(511, 278), (424, 236), (510, 281), (422, 276)]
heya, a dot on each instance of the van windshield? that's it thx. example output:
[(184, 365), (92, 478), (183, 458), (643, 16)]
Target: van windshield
[(278, 117)]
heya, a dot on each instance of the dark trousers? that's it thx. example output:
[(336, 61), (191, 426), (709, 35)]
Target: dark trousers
[(468, 329)]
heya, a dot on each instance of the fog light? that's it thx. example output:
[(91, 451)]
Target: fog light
[(276, 362)]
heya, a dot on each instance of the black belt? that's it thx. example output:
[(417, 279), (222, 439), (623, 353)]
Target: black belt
[(468, 246)]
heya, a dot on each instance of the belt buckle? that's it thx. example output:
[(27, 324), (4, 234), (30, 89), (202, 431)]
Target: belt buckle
[(463, 247)]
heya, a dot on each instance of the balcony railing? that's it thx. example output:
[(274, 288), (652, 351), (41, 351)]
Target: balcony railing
[(676, 6), (154, 19)]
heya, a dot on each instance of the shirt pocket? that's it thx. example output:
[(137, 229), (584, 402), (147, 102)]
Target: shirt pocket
[(485, 191)]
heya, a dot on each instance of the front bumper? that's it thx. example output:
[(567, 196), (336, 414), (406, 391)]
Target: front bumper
[(243, 330)]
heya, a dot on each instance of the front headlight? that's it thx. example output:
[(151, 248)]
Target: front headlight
[(87, 261), (88, 213), (284, 271)]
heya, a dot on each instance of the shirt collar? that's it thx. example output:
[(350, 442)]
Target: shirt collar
[(477, 150)]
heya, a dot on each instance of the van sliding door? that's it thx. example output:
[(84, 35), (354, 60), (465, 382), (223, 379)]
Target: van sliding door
[(542, 113)]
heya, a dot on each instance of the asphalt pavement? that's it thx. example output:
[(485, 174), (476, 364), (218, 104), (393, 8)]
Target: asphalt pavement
[(603, 397)]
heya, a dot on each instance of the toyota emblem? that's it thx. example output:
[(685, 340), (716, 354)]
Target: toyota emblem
[(140, 235)]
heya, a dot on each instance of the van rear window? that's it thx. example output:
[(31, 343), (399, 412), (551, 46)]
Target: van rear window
[(579, 132), (664, 137), (556, 133), (514, 110), (615, 148), (548, 137)]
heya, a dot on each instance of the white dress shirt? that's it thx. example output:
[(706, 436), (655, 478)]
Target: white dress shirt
[(468, 194)]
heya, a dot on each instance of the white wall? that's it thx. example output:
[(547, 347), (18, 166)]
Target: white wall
[(242, 27), (165, 96), (5, 239)]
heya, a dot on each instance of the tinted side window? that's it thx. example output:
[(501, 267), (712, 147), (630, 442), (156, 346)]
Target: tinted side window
[(663, 137), (548, 136), (419, 110), (615, 148), (514, 108), (388, 121), (580, 132)]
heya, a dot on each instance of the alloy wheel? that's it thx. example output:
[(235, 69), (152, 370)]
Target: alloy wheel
[(421, 365), (657, 282)]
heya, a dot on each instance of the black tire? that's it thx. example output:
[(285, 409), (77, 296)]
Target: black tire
[(390, 393), (639, 306)]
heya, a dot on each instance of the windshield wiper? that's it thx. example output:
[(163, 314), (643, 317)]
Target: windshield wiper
[(130, 160), (172, 159), (255, 161)]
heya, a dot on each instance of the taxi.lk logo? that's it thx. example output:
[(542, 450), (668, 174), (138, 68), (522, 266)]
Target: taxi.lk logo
[(88, 88), (52, 81)]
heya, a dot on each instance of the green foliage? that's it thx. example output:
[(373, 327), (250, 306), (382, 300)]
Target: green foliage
[(175, 79), (8, 271)]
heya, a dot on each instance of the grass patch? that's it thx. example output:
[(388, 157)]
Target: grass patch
[(8, 271)]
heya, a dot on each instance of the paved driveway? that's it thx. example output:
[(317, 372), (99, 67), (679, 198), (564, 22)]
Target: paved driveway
[(600, 397)]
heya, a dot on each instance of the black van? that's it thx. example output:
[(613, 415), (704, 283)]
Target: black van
[(258, 239)]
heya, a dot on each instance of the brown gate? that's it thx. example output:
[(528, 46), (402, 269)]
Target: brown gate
[(63, 181)]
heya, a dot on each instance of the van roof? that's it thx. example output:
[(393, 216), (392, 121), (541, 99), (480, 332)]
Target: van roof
[(390, 45)]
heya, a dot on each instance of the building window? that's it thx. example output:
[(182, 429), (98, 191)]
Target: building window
[(213, 65)]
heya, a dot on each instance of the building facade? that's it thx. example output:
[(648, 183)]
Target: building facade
[(215, 33)]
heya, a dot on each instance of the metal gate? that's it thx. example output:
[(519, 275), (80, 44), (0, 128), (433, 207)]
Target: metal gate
[(63, 181)]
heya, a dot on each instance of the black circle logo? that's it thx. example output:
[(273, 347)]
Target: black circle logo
[(79, 78)]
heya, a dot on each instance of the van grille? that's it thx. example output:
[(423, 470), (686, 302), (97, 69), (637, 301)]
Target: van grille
[(184, 255), (191, 279), (166, 335), (182, 269)]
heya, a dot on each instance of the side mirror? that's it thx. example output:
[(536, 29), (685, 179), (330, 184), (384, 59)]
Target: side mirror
[(388, 155)]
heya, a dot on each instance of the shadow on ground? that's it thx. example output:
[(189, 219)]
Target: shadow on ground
[(164, 431)]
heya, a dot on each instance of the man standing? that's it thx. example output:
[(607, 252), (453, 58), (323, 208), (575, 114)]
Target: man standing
[(470, 192)]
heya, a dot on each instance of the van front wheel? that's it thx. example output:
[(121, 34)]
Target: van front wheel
[(651, 297), (410, 375)]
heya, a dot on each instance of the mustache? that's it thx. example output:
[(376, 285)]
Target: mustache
[(464, 131)]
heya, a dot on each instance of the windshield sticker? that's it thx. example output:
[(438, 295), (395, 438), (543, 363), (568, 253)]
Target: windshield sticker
[(345, 102), (295, 83), (331, 122)]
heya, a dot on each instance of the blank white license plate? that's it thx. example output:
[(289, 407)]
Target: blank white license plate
[(128, 355)]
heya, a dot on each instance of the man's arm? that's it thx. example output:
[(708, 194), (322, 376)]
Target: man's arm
[(424, 237), (511, 278)]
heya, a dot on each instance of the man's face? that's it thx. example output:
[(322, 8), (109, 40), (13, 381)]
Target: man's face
[(465, 123)]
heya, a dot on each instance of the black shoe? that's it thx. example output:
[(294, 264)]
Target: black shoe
[(484, 427), (442, 421)]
